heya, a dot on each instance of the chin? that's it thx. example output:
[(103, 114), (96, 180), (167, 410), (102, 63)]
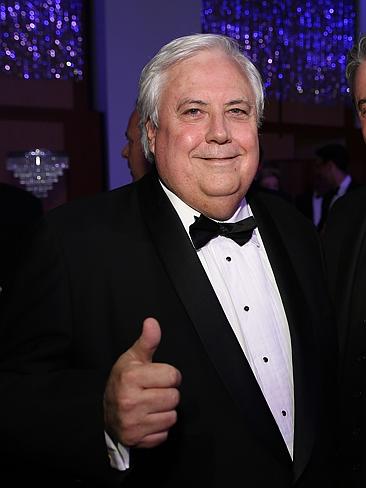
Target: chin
[(226, 190), (223, 185)]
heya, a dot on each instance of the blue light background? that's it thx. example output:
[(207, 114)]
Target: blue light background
[(299, 47), (42, 39)]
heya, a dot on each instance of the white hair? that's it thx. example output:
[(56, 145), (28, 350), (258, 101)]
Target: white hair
[(153, 75)]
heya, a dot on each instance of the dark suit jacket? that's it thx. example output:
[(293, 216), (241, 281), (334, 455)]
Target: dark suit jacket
[(98, 268), (304, 202), (19, 209), (345, 246)]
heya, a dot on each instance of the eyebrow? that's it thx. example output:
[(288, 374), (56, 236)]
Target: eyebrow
[(239, 101), (189, 101)]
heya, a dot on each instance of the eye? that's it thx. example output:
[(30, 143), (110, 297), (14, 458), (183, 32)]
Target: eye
[(192, 111), (239, 111)]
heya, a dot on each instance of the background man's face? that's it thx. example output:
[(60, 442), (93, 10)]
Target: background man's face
[(133, 151), (322, 177), (360, 96)]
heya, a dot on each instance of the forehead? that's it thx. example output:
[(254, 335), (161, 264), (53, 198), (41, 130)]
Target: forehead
[(206, 73), (360, 82)]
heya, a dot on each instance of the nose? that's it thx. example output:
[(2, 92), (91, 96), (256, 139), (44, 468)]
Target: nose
[(124, 152), (218, 130)]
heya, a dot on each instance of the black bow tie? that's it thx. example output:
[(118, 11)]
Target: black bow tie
[(205, 229)]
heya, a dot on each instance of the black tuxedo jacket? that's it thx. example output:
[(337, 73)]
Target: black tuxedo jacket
[(345, 247), (96, 269), (304, 202), (19, 209)]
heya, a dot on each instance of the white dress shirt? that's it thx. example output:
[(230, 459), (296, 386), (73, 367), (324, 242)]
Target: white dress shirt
[(317, 204), (343, 187), (244, 283), (246, 288)]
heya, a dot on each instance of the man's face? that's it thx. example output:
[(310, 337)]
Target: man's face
[(360, 96), (132, 151), (206, 146), (322, 176)]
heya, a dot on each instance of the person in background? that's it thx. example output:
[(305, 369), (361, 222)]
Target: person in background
[(331, 180), (310, 202), (345, 252), (133, 151), (175, 332), (332, 166), (268, 179)]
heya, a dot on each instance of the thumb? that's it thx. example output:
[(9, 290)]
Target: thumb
[(149, 340)]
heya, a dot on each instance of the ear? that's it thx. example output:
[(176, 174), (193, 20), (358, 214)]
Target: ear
[(151, 135)]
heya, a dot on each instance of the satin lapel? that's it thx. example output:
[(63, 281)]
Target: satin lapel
[(194, 289), (301, 337)]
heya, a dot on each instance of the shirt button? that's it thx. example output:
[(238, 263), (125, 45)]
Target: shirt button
[(228, 258), (284, 413), (265, 359), (246, 308)]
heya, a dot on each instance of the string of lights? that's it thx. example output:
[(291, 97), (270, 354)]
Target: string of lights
[(42, 39), (299, 47)]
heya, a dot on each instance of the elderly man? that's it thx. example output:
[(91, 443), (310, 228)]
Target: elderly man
[(345, 247), (178, 324)]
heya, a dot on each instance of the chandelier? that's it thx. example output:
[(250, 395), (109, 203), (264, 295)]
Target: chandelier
[(38, 169)]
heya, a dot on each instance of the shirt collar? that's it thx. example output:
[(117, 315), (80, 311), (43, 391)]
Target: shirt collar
[(187, 213), (344, 185)]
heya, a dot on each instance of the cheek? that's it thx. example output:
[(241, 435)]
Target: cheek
[(193, 136), (180, 143), (246, 136), (250, 145), (188, 138)]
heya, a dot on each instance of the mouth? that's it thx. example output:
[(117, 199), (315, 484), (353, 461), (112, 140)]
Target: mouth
[(219, 158)]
